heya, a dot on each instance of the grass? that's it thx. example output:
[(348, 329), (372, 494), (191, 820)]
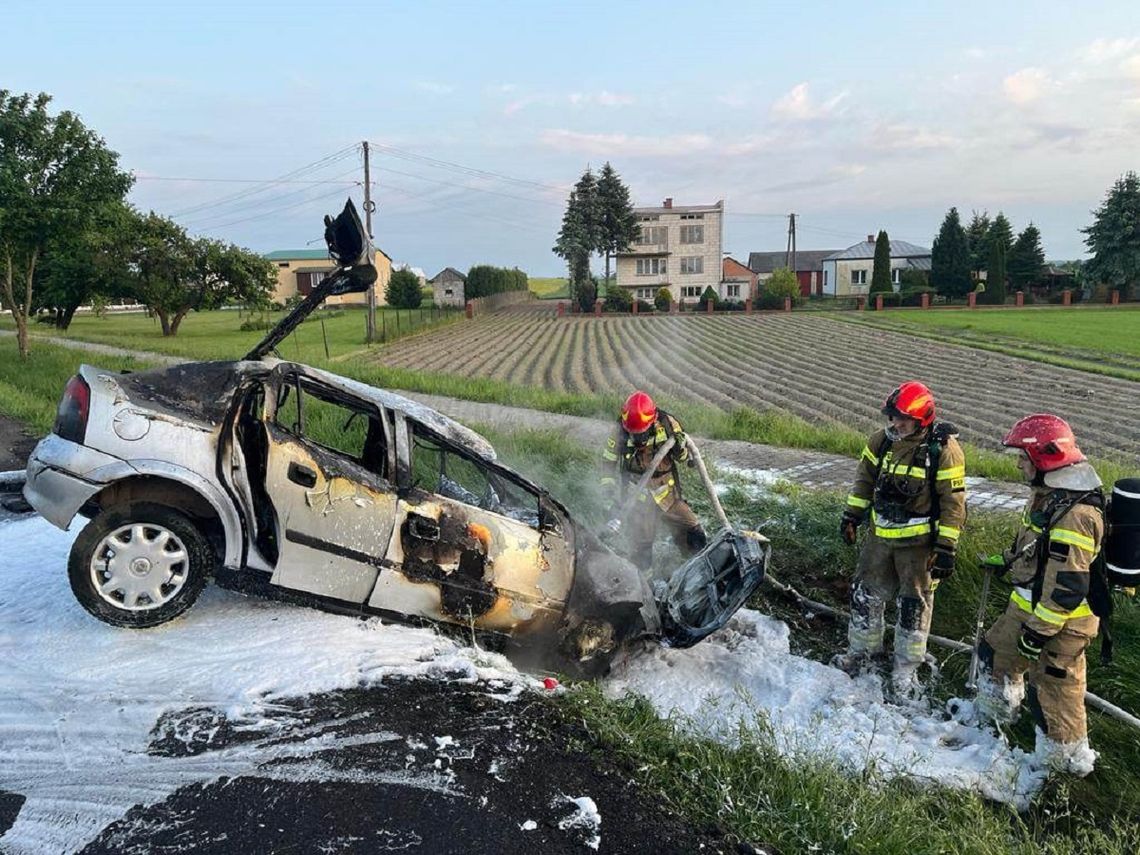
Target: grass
[(1101, 339), (756, 794), (549, 288), (218, 334)]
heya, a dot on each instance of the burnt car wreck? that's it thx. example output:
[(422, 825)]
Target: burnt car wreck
[(277, 477)]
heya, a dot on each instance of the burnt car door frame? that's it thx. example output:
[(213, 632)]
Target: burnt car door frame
[(333, 537)]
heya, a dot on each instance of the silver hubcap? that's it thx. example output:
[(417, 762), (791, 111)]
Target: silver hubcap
[(139, 566)]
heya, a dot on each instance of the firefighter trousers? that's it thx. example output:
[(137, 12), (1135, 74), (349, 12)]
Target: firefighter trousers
[(1057, 680), (887, 571), (679, 519)]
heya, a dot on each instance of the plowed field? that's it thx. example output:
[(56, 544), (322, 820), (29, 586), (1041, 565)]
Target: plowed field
[(815, 367)]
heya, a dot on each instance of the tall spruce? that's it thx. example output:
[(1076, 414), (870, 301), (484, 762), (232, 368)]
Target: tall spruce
[(978, 236), (995, 274), (950, 258), (1114, 238), (1026, 259), (881, 271), (1002, 231), (618, 228), (579, 238)]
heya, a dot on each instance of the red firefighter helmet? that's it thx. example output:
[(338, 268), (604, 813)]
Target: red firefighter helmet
[(638, 413), (913, 400), (1047, 439)]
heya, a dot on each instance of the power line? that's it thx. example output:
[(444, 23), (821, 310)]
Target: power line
[(327, 160), (231, 211), (459, 167), (265, 214), (469, 187), (237, 180)]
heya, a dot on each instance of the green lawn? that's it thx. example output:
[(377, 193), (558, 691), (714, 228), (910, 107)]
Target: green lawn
[(1092, 338), (550, 288), (218, 335)]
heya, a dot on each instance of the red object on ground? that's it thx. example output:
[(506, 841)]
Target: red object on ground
[(550, 683)]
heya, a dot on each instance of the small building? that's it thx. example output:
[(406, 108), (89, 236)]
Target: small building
[(447, 287), (299, 270), (808, 264), (847, 273), (737, 281), (679, 248)]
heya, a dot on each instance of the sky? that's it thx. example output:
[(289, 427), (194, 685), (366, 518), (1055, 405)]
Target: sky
[(244, 121)]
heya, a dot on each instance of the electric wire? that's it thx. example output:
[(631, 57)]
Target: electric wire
[(230, 212)]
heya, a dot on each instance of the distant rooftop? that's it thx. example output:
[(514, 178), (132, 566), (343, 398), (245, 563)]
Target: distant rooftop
[(866, 249), (667, 207), (308, 255), (806, 259)]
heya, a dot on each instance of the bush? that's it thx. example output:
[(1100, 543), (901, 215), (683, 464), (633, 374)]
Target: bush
[(483, 280), (768, 301), (706, 298), (730, 306), (618, 300), (646, 306), (782, 283), (404, 290), (663, 300), (913, 296)]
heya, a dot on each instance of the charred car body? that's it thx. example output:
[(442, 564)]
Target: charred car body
[(274, 475)]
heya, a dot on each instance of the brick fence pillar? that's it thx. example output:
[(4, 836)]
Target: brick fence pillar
[(1114, 298), (972, 299), (1019, 299), (673, 308), (561, 309), (710, 306), (787, 304), (860, 303), (1066, 297), (926, 300), (748, 306), (878, 302), (597, 308), (470, 309), (634, 305)]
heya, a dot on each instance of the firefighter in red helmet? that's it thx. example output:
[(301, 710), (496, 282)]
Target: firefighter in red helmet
[(639, 434), (1052, 613), (910, 486)]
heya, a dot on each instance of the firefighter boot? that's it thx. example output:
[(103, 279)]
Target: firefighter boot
[(1073, 758)]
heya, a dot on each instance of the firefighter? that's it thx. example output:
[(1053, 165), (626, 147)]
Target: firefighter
[(640, 432), (910, 484), (1049, 622)]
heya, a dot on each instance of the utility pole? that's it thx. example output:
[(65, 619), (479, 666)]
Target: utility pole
[(369, 207), (790, 253)]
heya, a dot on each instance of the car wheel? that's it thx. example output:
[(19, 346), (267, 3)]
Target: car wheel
[(139, 565)]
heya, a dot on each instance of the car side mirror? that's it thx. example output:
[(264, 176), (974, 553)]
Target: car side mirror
[(348, 242)]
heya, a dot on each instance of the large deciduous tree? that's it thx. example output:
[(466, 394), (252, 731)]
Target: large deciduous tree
[(950, 258), (174, 274), (881, 271), (54, 174), (1114, 237), (618, 226), (1026, 258)]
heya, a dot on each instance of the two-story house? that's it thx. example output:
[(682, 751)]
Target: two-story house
[(679, 248)]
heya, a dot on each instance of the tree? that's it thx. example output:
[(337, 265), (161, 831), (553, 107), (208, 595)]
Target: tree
[(978, 238), (950, 258), (664, 299), (1026, 259), (404, 290), (1002, 231), (881, 271), (174, 274), (618, 227), (779, 286), (54, 173), (580, 237), (707, 296), (1114, 237), (995, 275)]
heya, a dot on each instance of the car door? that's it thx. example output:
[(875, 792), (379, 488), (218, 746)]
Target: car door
[(326, 477), (471, 545)]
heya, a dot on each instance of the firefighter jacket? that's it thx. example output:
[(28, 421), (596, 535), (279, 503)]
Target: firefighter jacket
[(625, 461), (911, 500), (1058, 595)]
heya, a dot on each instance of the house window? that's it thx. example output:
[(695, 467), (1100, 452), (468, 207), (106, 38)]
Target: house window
[(650, 266), (825, 279), (690, 291), (447, 292), (692, 216), (649, 218), (653, 235), (858, 277), (282, 263), (646, 294), (896, 276), (692, 234), (732, 291), (692, 264)]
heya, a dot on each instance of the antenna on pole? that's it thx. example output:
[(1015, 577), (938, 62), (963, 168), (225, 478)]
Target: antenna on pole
[(369, 207)]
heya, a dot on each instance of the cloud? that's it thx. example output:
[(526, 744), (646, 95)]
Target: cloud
[(798, 105), (1131, 67), (1026, 86), (522, 103), (615, 145), (904, 137), (435, 88), (835, 175), (1106, 50), (603, 98)]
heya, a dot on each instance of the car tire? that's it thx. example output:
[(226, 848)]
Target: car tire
[(139, 565)]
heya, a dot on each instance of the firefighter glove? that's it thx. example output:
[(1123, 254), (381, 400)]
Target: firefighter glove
[(847, 528), (941, 564), (995, 564), (1030, 643)]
